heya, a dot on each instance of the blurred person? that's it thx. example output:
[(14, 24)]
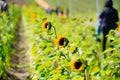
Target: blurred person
[(3, 6), (63, 13), (107, 21), (50, 9)]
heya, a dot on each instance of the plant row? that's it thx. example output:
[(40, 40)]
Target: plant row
[(8, 25), (66, 49)]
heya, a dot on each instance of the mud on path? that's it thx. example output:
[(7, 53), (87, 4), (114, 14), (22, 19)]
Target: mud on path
[(19, 60)]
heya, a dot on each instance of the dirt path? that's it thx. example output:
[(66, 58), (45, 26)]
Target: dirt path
[(20, 60)]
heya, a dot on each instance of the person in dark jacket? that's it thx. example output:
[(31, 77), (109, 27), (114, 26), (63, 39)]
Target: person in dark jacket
[(3, 6), (108, 17)]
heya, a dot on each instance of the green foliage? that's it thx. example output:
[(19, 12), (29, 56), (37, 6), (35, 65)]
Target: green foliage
[(7, 32), (54, 63)]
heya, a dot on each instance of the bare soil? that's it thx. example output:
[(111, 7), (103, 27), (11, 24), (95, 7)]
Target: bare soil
[(19, 59)]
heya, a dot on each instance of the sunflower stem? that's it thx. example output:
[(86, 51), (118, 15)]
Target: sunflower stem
[(69, 72), (68, 52), (55, 31), (86, 75)]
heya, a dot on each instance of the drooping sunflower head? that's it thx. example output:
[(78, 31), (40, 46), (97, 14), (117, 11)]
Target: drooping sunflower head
[(46, 25), (61, 41), (77, 65)]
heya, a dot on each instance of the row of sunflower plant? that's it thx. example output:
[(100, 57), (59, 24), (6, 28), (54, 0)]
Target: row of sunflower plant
[(8, 25), (66, 49)]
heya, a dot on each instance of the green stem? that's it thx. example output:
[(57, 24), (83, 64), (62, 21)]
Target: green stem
[(55, 31), (97, 56), (86, 75), (68, 52)]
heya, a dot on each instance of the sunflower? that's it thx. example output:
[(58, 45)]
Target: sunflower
[(46, 25), (61, 41), (58, 69), (77, 65), (33, 15)]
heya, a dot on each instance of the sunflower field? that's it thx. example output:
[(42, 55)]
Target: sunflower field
[(8, 26), (66, 48), (59, 48)]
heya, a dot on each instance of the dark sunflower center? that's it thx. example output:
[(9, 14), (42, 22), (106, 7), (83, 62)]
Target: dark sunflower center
[(78, 65), (61, 41), (46, 25)]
